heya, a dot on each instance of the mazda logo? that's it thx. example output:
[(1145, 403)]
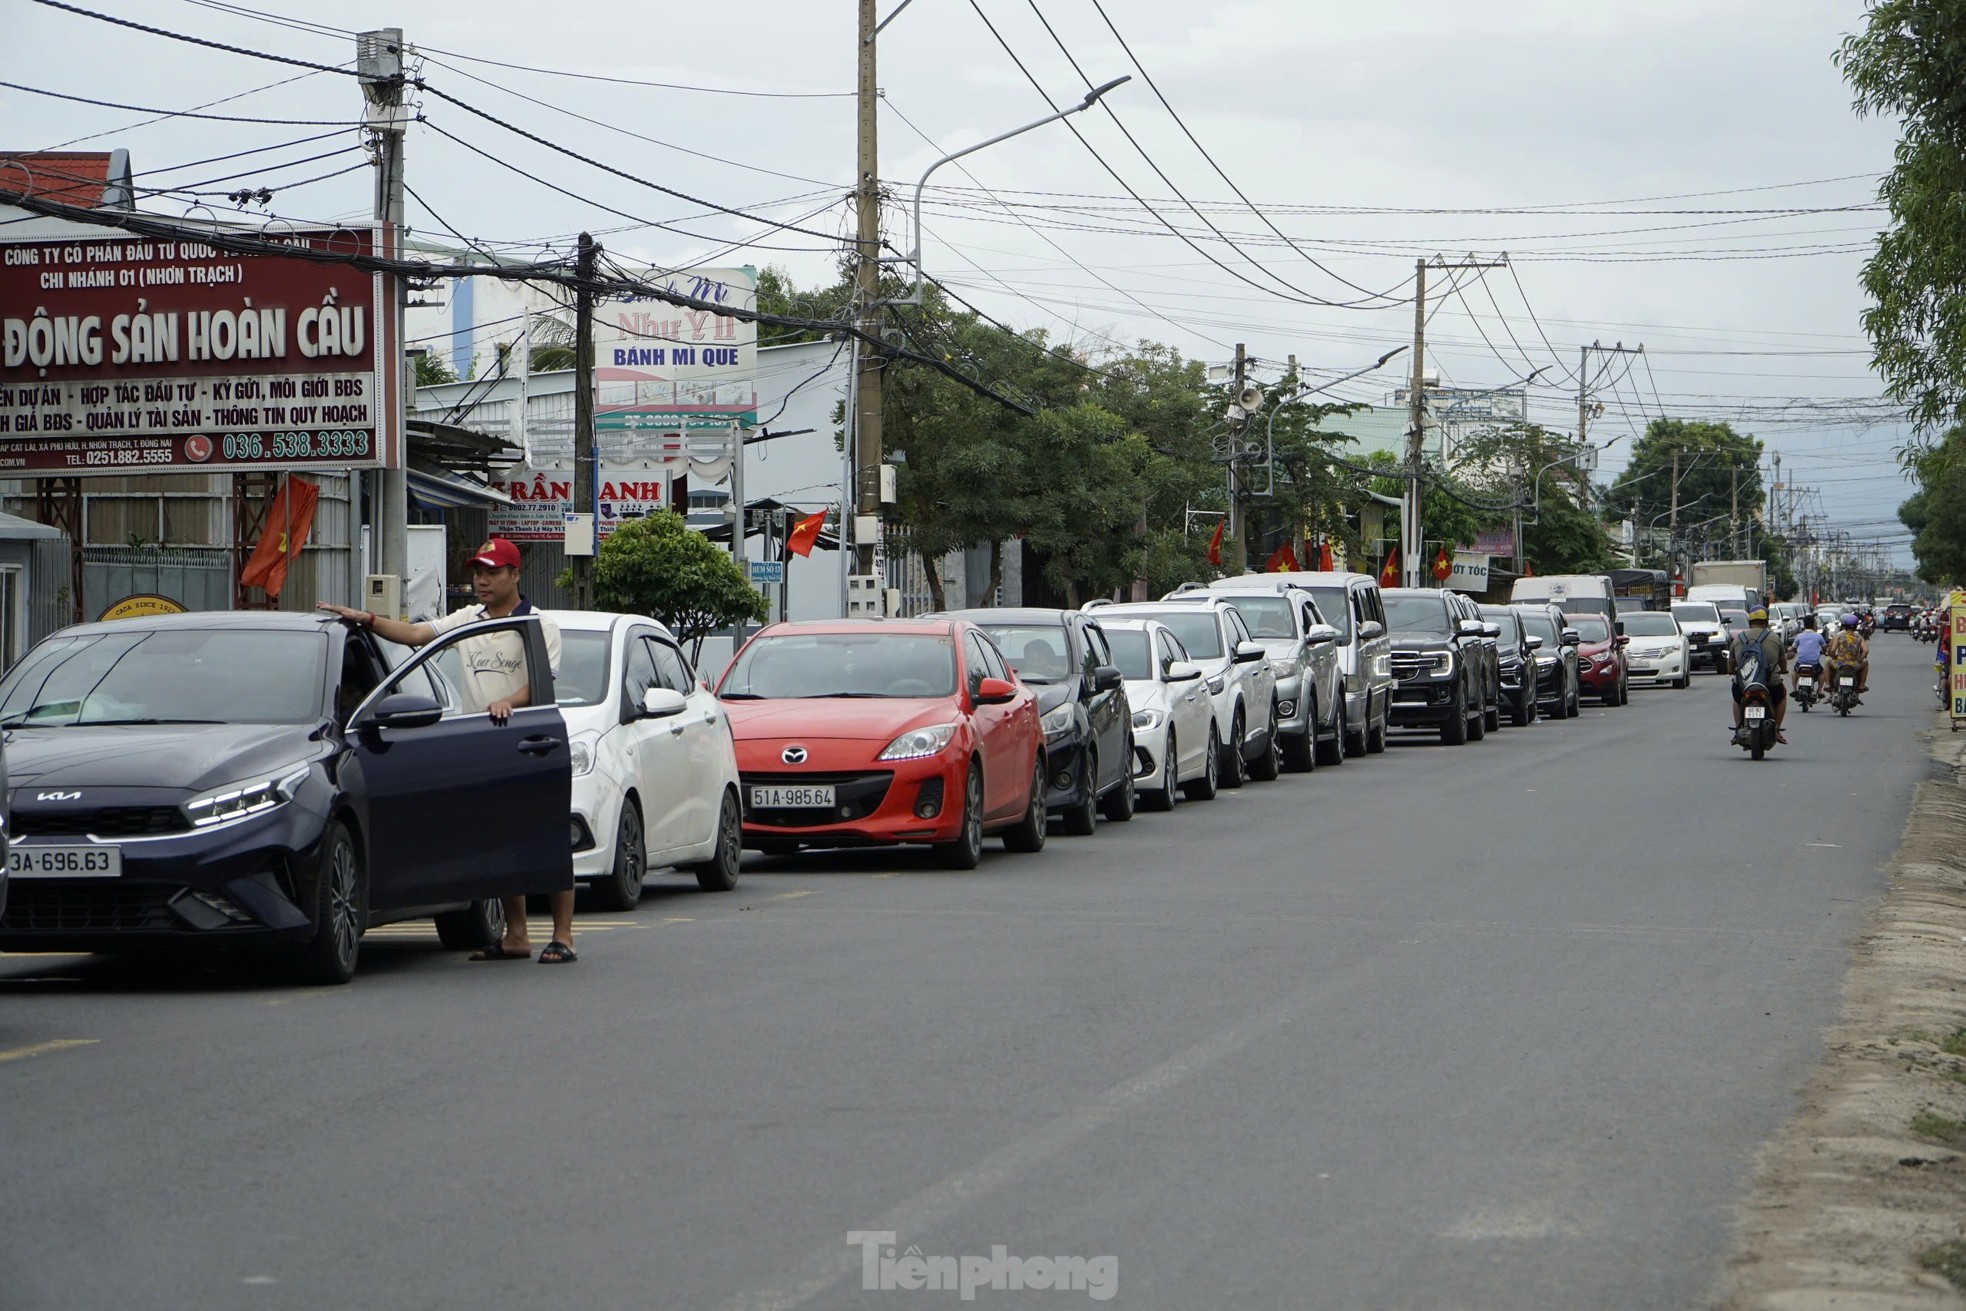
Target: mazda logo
[(793, 755)]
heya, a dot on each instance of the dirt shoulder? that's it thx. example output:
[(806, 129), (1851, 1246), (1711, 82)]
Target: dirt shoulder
[(1860, 1200)]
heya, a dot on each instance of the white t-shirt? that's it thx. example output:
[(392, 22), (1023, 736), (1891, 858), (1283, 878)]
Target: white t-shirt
[(494, 665)]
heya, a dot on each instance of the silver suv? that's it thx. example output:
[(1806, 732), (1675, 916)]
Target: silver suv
[(1303, 654), (1242, 688), (1350, 603)]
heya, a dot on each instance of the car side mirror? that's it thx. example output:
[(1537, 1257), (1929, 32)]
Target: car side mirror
[(1491, 630), (1181, 671), (1370, 629), (1621, 628), (662, 702), (406, 710), (1470, 627), (1571, 637), (993, 692), (1533, 642), (1320, 635), (1623, 640), (1107, 678), (1248, 653)]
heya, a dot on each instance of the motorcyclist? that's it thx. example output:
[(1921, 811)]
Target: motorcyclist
[(1808, 648), (1764, 647), (1847, 650)]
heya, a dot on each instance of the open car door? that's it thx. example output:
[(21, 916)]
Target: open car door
[(458, 808)]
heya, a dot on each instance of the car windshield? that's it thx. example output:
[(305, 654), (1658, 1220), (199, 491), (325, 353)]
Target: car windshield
[(583, 676), (843, 665), (1267, 616), (168, 676), (1505, 621), (1036, 651), (1417, 614), (1695, 612), (1592, 628), (1336, 609), (1650, 623), (1132, 652), (1198, 630), (1538, 624), (1738, 618)]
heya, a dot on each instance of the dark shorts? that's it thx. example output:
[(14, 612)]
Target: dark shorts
[(1777, 692)]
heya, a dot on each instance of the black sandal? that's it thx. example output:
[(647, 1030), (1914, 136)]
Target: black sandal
[(497, 952), (557, 953)]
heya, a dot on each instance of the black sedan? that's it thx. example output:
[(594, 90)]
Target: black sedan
[(261, 779)]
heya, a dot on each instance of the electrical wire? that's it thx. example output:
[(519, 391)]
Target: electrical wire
[(198, 40), (176, 113)]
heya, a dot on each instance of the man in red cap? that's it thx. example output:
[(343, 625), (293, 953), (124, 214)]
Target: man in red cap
[(495, 681)]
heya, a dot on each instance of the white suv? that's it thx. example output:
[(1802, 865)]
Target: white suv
[(1242, 688)]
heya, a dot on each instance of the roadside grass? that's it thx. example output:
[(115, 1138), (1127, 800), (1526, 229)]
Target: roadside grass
[(1939, 1128), (1948, 1259)]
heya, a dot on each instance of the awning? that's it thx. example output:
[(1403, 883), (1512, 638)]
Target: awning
[(448, 491)]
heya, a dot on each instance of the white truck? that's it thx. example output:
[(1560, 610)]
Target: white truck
[(1750, 575)]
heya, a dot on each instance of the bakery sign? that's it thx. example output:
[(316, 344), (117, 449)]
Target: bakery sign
[(127, 355)]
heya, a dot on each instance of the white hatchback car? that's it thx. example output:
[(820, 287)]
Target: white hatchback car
[(1171, 713), (654, 766), (1658, 651)]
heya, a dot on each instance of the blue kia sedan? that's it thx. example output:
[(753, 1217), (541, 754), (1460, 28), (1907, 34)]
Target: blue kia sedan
[(267, 779)]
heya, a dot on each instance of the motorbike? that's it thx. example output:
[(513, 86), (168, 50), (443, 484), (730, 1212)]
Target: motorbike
[(1866, 625), (1807, 680), (1757, 731), (1843, 692)]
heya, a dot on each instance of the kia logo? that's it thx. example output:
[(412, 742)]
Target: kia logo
[(58, 796), (793, 755)]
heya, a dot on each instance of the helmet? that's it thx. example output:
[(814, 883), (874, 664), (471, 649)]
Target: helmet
[(1757, 616), (1849, 621)]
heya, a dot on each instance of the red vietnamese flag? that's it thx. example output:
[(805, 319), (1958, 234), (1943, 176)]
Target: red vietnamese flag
[(1389, 576), (288, 521), (1528, 569), (1324, 556), (1443, 567), (1284, 557), (1215, 542), (804, 533)]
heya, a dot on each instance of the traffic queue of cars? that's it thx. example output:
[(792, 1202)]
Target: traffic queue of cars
[(285, 782)]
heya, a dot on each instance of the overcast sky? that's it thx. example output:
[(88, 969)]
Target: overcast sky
[(1320, 111)]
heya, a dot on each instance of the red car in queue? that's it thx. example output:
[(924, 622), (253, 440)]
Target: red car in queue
[(870, 733), (1603, 668)]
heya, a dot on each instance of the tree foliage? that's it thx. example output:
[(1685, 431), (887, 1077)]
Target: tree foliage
[(1711, 457), (656, 566), (1936, 512), (432, 369), (1561, 534), (1909, 62)]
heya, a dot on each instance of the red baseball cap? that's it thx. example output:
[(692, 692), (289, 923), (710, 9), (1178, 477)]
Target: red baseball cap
[(496, 553)]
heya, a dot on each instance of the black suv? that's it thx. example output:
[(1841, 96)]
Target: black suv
[(1440, 658), (1489, 658), (1896, 616), (1517, 664), (1082, 707)]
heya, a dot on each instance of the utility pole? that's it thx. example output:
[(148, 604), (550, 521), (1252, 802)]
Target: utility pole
[(1583, 393), (583, 417), (860, 501), (1734, 508), (1416, 428), (1235, 525), (379, 62)]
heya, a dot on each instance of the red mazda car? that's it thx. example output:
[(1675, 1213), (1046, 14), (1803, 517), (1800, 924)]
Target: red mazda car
[(858, 733), (1603, 668)]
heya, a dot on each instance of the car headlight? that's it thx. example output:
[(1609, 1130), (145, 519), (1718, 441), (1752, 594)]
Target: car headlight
[(581, 749), (919, 742), (1216, 683), (1056, 723), (1443, 663), (1146, 718), (238, 800)]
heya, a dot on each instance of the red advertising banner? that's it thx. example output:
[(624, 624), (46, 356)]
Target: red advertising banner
[(130, 354)]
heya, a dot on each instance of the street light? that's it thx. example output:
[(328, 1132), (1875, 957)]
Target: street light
[(914, 257), (1538, 486)]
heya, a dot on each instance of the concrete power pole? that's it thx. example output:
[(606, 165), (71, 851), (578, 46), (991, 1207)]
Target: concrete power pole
[(1235, 525), (1411, 529), (379, 61), (583, 416), (860, 502)]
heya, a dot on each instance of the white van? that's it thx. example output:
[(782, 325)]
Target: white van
[(1726, 596), (1574, 594)]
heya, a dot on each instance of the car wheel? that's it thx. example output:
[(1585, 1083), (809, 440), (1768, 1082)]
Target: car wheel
[(1300, 753), (1119, 804), (1574, 703), (1522, 712), (1375, 734), (1204, 788), (622, 888), (1478, 726), (1492, 717), (966, 852), (1170, 775), (1269, 763), (1234, 771), (719, 873), (1455, 731), (340, 910), (474, 928), (1332, 750), (1080, 820), (1685, 680), (1028, 836)]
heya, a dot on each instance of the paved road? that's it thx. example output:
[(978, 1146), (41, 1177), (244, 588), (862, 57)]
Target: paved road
[(1491, 1026)]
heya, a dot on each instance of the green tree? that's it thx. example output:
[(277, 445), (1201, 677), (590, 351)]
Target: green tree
[(1560, 533), (656, 566), (1907, 63), (1449, 513), (1714, 461), (432, 370), (1936, 513)]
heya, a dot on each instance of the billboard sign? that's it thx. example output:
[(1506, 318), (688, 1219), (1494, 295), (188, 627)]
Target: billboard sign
[(543, 498), (1956, 676), (129, 354), (660, 369)]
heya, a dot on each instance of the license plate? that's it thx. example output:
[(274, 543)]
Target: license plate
[(88, 862), (810, 797), (1846, 682), (1757, 712), (1805, 682)]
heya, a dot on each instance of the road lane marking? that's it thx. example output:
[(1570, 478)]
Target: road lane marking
[(791, 896), (44, 1048), (957, 1192), (1836, 845)]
